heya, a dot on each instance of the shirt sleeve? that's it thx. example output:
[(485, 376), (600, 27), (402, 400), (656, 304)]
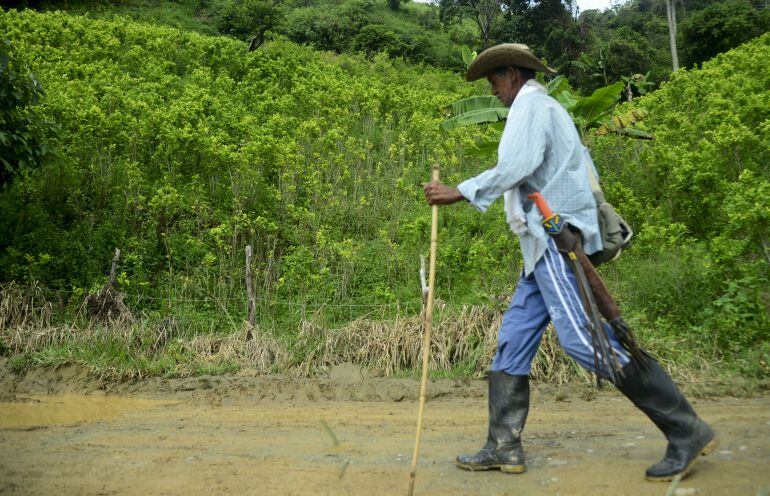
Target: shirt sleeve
[(521, 152)]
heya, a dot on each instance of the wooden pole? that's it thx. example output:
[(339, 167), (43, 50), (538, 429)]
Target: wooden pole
[(252, 309), (114, 269), (428, 327)]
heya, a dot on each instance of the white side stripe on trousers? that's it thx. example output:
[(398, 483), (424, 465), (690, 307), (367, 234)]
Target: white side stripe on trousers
[(551, 272), (576, 301)]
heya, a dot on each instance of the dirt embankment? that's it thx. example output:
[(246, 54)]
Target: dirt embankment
[(64, 432)]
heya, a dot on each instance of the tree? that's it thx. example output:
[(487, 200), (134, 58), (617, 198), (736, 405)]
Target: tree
[(485, 13), (395, 5), (547, 26), (23, 132), (719, 28), (374, 38), (250, 19)]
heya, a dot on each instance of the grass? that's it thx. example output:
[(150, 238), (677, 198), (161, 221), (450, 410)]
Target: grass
[(463, 344)]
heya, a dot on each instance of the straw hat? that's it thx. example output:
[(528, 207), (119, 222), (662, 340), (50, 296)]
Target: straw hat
[(507, 54)]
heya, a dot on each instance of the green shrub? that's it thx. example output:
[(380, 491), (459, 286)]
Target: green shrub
[(24, 134), (699, 197), (374, 39)]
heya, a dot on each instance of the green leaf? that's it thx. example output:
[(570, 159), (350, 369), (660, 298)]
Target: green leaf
[(592, 108), (473, 103), (566, 99), (474, 110), (474, 117), (485, 148), (468, 55), (557, 85)]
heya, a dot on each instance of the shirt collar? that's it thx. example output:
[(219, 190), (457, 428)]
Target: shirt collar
[(530, 86)]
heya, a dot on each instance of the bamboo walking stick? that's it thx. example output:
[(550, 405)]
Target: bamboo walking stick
[(427, 326)]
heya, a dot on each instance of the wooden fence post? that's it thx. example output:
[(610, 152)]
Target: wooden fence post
[(252, 304), (114, 269)]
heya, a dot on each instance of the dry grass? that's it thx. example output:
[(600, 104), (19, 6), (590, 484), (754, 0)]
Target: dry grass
[(463, 343), (106, 305), (388, 347), (262, 352), (24, 308), (463, 340), (466, 339)]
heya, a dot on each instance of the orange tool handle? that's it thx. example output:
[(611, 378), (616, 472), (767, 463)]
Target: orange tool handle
[(542, 205)]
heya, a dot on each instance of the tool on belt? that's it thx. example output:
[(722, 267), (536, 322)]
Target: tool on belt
[(597, 299)]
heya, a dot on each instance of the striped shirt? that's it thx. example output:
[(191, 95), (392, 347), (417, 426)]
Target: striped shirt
[(540, 150)]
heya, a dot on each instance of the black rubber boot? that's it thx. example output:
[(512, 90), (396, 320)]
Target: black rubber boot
[(508, 408), (654, 393)]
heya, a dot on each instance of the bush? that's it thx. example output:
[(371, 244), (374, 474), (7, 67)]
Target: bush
[(374, 39), (249, 19), (326, 28), (181, 149), (24, 133), (699, 197)]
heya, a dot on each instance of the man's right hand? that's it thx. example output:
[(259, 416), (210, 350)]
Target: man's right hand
[(437, 193)]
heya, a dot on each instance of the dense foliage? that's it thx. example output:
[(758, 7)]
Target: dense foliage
[(593, 48), (720, 27), (24, 135), (412, 31), (699, 196), (181, 149)]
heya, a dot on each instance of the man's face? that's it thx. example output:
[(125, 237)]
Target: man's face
[(504, 86)]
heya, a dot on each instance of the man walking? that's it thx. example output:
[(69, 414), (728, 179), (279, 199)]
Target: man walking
[(540, 151)]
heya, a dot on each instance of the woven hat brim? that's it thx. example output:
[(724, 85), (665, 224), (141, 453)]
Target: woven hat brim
[(504, 56)]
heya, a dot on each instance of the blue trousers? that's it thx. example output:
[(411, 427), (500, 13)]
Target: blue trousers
[(549, 293)]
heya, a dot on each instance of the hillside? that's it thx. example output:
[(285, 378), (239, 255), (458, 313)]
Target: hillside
[(181, 148), (413, 32)]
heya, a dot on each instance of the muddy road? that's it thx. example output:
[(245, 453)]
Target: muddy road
[(65, 433)]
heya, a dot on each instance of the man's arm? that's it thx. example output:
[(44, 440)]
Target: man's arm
[(522, 149)]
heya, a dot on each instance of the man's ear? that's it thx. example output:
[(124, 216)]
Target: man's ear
[(514, 74)]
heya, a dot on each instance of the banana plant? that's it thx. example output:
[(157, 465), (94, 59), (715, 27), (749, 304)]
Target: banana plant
[(474, 110), (621, 124), (588, 113)]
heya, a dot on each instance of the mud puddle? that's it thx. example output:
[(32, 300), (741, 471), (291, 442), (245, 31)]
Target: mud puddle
[(29, 412)]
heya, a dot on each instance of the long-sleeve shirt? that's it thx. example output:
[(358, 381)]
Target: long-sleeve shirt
[(540, 150)]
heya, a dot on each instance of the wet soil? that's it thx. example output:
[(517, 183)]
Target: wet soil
[(65, 432)]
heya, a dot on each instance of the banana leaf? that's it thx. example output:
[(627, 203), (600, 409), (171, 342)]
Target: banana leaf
[(592, 108), (468, 55), (635, 133), (474, 110), (557, 85), (621, 124), (470, 104), (484, 148)]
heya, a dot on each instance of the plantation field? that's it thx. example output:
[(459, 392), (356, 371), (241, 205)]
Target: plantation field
[(341, 434)]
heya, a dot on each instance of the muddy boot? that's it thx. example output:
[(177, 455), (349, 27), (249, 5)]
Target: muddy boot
[(508, 408), (654, 393)]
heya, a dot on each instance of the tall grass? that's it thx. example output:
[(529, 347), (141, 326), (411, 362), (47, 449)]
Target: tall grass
[(463, 343)]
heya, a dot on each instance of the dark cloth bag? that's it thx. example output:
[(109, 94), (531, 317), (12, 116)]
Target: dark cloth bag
[(615, 232)]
